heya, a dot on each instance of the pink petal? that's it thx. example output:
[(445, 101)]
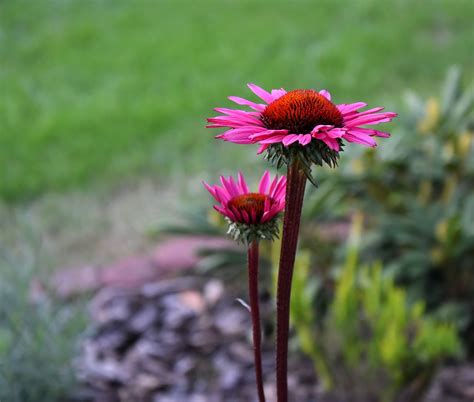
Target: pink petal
[(262, 148), (211, 190), (277, 93), (272, 140), (332, 143), (290, 139), (264, 182), (229, 186), (305, 139), (321, 135), (241, 101), (222, 195), (267, 134), (239, 116), (245, 215), (326, 94), (336, 133), (234, 122), (253, 215), (361, 138), (352, 115), (321, 127), (371, 119), (279, 192), (261, 93), (241, 133), (349, 107), (271, 190), (374, 133), (242, 183)]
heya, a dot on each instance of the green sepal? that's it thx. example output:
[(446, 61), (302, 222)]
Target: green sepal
[(315, 153), (246, 234)]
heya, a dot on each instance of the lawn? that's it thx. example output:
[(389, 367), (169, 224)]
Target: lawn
[(93, 92)]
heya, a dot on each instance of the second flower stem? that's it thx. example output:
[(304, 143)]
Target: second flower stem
[(255, 311), (295, 186)]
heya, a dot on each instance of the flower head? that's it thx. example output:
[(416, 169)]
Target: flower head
[(252, 215), (302, 118)]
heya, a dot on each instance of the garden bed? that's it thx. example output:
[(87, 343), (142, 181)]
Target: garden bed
[(188, 339)]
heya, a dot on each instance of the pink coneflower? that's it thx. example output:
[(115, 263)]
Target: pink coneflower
[(252, 216), (241, 206), (301, 116)]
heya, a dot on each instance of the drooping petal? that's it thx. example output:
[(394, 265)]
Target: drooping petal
[(272, 140), (242, 133), (321, 128), (262, 148), (359, 137), (332, 143), (335, 132), (265, 134), (290, 139), (305, 139)]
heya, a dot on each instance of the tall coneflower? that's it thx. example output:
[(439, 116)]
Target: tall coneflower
[(299, 128)]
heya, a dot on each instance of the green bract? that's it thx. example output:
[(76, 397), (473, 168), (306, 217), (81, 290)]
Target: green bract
[(246, 234), (315, 153)]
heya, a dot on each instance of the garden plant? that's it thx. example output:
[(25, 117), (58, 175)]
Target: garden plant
[(299, 129)]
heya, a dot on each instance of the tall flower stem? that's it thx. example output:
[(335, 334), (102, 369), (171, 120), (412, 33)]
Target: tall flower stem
[(255, 311), (295, 185)]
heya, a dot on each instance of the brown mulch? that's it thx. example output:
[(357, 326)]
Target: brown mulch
[(188, 340)]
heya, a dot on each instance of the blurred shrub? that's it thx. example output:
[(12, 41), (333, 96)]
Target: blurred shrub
[(37, 338), (417, 194), (371, 342), (226, 262)]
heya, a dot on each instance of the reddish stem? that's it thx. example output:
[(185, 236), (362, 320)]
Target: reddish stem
[(255, 311), (295, 185)]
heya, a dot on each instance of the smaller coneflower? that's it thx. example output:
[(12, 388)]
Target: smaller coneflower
[(251, 215)]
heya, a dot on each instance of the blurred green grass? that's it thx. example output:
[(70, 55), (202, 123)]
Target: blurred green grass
[(93, 92)]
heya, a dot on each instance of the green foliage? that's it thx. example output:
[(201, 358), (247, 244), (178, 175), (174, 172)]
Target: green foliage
[(225, 261), (37, 338), (371, 341), (83, 101), (417, 195)]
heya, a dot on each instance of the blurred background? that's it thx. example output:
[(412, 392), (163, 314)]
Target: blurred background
[(108, 249)]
